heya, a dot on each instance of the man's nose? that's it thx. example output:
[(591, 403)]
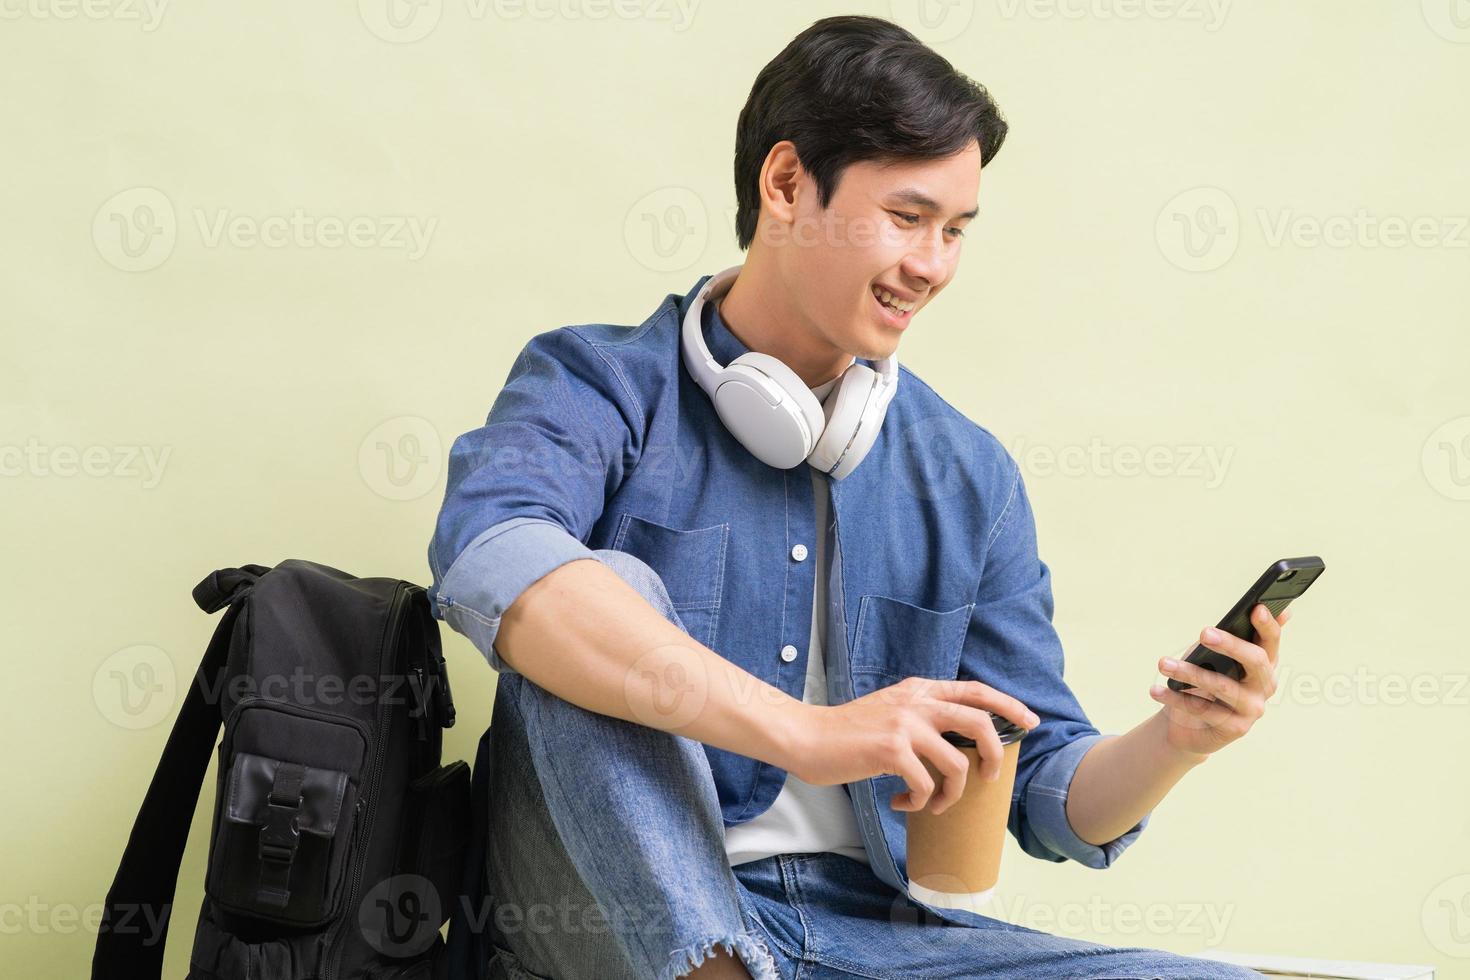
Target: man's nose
[(925, 262)]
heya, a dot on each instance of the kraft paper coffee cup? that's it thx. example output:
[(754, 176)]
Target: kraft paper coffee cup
[(954, 857)]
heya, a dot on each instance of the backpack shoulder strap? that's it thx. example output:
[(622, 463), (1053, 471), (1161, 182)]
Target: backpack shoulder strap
[(130, 938)]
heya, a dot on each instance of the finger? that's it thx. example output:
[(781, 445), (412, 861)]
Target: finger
[(1188, 710), (949, 716), (979, 695), (1268, 632), (1217, 685), (953, 766), (1250, 656), (920, 784)]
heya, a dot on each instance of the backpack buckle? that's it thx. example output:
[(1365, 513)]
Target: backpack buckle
[(280, 835)]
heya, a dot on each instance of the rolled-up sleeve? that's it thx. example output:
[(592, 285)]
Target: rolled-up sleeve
[(525, 489), (1046, 810), (1012, 646)]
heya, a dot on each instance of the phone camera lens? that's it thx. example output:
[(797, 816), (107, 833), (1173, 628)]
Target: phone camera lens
[(1287, 576)]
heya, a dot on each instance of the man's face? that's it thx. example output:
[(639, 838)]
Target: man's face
[(890, 226)]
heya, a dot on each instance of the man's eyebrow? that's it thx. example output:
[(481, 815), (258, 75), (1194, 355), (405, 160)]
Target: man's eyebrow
[(916, 197)]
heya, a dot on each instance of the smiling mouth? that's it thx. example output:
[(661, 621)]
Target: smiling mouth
[(893, 315)]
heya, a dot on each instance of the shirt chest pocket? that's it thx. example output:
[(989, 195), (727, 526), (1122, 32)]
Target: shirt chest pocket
[(895, 639), (691, 564)]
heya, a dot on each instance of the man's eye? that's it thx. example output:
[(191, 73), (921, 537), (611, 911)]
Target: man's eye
[(913, 219)]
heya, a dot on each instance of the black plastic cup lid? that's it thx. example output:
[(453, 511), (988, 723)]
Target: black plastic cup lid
[(1008, 731)]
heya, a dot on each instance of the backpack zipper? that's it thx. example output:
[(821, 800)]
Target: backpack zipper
[(332, 965)]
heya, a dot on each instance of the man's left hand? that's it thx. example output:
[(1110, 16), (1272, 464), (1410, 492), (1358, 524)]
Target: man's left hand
[(1218, 710)]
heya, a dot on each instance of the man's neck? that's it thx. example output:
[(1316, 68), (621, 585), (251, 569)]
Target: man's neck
[(770, 327)]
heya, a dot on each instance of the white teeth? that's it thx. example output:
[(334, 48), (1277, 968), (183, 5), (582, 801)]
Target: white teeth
[(887, 299)]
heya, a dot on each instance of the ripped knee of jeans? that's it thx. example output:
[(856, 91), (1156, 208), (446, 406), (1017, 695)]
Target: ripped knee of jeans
[(748, 947)]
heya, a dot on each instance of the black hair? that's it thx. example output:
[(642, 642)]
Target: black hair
[(852, 88)]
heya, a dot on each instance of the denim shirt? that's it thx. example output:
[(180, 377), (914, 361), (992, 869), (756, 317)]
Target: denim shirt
[(600, 438)]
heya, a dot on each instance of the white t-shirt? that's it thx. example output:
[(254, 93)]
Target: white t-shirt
[(806, 818)]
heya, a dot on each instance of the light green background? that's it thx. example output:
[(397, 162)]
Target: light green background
[(538, 147)]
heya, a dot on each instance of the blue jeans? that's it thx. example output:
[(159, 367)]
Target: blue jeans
[(606, 860)]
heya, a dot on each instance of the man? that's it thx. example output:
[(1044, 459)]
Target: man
[(735, 605)]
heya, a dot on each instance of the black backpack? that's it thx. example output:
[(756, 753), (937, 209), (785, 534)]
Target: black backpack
[(338, 842)]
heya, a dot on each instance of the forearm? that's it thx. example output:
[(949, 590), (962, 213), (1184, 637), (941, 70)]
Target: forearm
[(1122, 778), (584, 634)]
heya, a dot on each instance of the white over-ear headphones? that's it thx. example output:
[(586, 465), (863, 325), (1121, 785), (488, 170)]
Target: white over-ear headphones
[(771, 411)]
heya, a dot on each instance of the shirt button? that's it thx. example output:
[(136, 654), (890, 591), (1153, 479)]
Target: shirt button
[(799, 552), (788, 653)]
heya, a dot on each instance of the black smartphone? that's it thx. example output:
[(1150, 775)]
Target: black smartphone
[(1277, 587)]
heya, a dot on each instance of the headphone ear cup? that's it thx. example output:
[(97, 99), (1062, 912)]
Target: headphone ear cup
[(780, 434), (790, 383), (843, 437)]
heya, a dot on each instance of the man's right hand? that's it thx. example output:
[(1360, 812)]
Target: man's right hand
[(893, 729)]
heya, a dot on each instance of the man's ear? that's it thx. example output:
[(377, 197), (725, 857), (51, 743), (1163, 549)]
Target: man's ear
[(780, 181)]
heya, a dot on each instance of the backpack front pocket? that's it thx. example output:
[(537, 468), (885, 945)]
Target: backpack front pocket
[(287, 809)]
